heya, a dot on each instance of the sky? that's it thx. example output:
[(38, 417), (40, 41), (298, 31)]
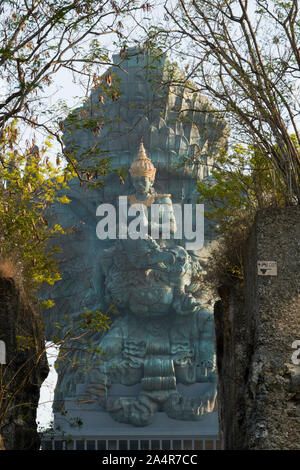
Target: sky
[(44, 411)]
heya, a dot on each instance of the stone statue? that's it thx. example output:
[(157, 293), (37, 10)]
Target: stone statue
[(158, 355), (160, 337)]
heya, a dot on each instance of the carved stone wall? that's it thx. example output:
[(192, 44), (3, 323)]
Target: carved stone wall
[(256, 326)]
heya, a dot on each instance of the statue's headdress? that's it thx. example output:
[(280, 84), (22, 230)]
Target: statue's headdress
[(142, 166)]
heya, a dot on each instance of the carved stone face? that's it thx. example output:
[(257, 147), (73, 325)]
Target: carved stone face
[(142, 184)]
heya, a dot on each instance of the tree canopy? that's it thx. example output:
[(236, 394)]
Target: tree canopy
[(39, 38), (29, 184), (245, 56)]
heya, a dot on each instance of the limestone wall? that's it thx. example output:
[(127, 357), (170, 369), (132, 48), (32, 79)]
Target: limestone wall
[(256, 325)]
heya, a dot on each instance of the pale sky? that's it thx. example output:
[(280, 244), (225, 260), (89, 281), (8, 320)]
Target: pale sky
[(44, 411)]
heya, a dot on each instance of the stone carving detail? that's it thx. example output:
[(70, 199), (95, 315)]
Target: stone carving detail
[(155, 339), (158, 354)]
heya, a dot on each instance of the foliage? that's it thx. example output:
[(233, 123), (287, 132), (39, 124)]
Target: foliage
[(39, 39), (241, 180), (241, 183), (95, 321), (29, 185), (244, 56)]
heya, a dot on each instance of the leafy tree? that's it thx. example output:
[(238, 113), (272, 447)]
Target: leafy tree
[(245, 57), (41, 37), (30, 183), (242, 182)]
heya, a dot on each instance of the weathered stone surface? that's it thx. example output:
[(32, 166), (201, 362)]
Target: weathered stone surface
[(25, 369), (258, 385), (175, 122)]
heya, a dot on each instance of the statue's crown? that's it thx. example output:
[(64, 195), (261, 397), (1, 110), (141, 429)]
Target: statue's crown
[(142, 166)]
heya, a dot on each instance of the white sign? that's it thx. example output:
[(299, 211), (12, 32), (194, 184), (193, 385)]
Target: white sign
[(267, 268)]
